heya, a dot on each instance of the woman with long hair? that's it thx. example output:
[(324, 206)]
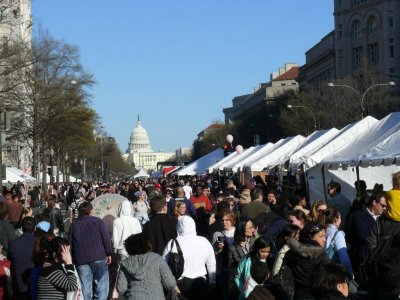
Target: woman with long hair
[(58, 273), (335, 240), (317, 208), (259, 253), (179, 209)]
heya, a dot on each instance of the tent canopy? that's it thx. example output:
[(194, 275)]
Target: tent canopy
[(215, 167), (258, 153), (238, 158), (141, 174), (278, 155), (200, 166), (344, 137), (350, 154)]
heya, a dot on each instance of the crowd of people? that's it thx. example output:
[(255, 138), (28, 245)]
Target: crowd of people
[(199, 238)]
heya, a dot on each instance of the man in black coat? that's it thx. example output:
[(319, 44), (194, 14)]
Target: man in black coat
[(20, 254), (161, 228)]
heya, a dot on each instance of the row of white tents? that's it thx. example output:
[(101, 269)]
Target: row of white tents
[(368, 150), (13, 175)]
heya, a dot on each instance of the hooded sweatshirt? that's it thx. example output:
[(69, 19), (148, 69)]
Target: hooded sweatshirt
[(144, 276), (124, 226), (197, 251)]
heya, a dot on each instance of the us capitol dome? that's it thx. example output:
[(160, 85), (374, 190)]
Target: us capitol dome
[(139, 150)]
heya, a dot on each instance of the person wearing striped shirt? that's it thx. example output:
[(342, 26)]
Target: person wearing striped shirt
[(55, 280)]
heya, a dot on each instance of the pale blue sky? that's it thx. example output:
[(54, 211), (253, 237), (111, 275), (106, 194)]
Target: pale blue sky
[(177, 63)]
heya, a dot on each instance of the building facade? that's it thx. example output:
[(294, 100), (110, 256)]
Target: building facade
[(139, 150)]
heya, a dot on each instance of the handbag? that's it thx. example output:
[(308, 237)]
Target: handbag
[(330, 251), (75, 295), (283, 283), (176, 261)]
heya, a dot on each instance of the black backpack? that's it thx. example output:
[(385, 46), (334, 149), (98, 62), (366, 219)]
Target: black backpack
[(264, 221), (176, 261)]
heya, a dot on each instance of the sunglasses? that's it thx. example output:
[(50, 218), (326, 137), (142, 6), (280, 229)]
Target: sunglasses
[(316, 228)]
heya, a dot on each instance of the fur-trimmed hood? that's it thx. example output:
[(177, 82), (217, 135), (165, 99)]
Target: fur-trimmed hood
[(305, 248)]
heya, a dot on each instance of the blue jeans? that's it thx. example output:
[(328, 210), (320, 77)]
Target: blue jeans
[(95, 272)]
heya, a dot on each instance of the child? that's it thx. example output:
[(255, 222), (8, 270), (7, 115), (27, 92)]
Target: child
[(6, 287), (260, 273)]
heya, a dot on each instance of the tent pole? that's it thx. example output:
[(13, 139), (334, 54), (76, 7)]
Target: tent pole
[(358, 173), (323, 181)]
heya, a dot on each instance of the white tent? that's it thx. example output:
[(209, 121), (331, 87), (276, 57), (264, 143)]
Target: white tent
[(12, 176), (383, 135), (141, 174), (242, 156), (200, 165), (313, 167), (277, 155), (20, 173), (314, 141), (258, 152), (215, 167)]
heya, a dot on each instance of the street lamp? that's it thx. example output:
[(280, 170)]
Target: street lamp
[(66, 157), (362, 97), (307, 108), (51, 166), (76, 165)]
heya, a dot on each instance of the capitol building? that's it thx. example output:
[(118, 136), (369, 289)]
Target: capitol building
[(139, 150)]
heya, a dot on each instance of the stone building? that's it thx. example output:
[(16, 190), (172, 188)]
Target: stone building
[(139, 150)]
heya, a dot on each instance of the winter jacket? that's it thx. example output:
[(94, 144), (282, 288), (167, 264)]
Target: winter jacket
[(393, 205), (6, 286), (145, 276), (124, 226), (304, 258)]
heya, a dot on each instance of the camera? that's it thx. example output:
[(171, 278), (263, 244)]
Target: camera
[(220, 239)]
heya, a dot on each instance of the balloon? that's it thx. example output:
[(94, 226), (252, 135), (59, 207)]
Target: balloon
[(239, 149), (229, 138)]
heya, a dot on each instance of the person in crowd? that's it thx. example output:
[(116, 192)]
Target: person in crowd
[(290, 231), (260, 273), (299, 201), (20, 255), (231, 189), (305, 257), (125, 190), (55, 215), (15, 210), (244, 198), (180, 196), (331, 282), (74, 207), (187, 189), (197, 263), (161, 228), (141, 207), (168, 195), (6, 229), (201, 202), (123, 227), (243, 241), (55, 280), (6, 278), (91, 252), (297, 217), (361, 227), (389, 270), (393, 199), (221, 242), (335, 239), (179, 210), (316, 209), (43, 228), (243, 281), (272, 198), (143, 274), (337, 200), (256, 206)]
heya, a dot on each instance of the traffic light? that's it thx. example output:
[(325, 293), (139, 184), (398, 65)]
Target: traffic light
[(50, 171), (228, 150)]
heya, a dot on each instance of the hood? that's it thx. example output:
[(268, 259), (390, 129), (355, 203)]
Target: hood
[(138, 265), (125, 209), (306, 248), (186, 226)]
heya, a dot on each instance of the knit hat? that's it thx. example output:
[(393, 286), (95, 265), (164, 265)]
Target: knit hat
[(43, 225), (245, 197)]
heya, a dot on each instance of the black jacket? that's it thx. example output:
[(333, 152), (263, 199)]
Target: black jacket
[(304, 258), (161, 228)]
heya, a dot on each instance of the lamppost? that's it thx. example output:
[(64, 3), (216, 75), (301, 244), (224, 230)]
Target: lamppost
[(66, 167), (362, 97), (76, 165), (51, 166), (307, 108)]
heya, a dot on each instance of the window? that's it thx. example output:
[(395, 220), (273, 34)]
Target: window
[(390, 22), (340, 31), (371, 25), (340, 59), (391, 51), (356, 30), (373, 53), (391, 70), (357, 56)]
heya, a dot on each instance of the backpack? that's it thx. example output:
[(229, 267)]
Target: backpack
[(282, 284), (331, 249), (264, 221), (176, 261)]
